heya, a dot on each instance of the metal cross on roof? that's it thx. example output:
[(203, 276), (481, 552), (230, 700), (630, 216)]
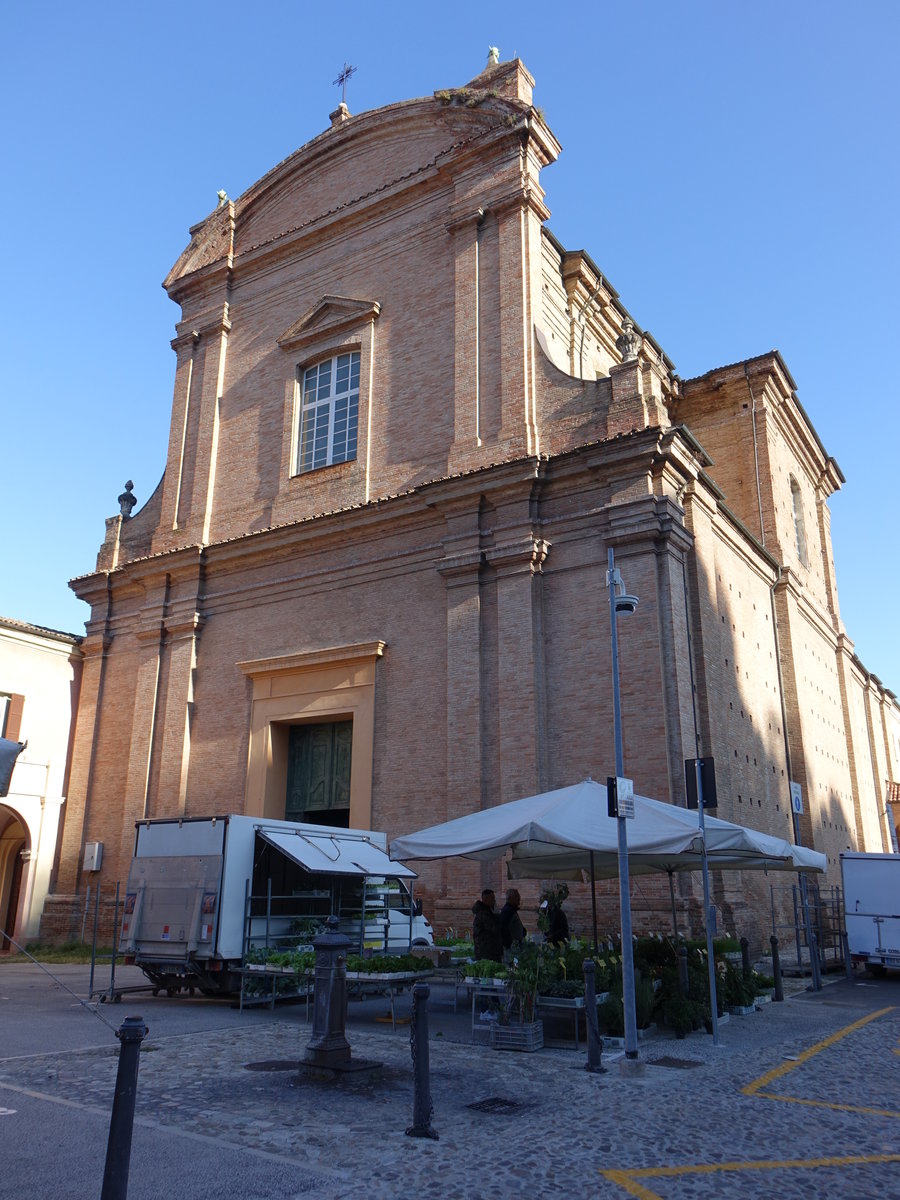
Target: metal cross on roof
[(342, 80)]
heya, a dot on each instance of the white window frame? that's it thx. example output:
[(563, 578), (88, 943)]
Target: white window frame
[(328, 424)]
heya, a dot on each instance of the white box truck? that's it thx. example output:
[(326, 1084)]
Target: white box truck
[(203, 892), (871, 885)]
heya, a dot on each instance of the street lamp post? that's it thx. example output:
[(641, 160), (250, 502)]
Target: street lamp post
[(620, 602)]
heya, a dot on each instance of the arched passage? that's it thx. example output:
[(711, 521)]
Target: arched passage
[(13, 852)]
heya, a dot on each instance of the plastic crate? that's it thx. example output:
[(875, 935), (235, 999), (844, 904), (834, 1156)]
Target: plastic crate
[(518, 1037)]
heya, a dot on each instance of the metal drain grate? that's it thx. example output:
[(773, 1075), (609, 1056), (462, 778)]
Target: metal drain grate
[(496, 1104), (680, 1064)]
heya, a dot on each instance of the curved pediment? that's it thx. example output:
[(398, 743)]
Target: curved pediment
[(370, 158)]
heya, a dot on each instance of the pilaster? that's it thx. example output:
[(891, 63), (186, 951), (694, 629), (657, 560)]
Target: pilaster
[(521, 699), (94, 649), (460, 569)]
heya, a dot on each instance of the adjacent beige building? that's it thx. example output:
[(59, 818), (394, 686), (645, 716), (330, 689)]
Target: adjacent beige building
[(39, 678)]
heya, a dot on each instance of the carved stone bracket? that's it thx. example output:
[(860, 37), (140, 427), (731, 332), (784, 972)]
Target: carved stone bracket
[(523, 554)]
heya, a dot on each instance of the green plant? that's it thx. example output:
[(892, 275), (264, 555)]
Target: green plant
[(306, 928), (564, 989), (611, 1013), (524, 979), (738, 989), (484, 968), (68, 952), (387, 964), (554, 896), (682, 1015), (721, 945), (453, 940)]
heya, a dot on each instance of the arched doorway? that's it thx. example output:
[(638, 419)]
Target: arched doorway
[(13, 842)]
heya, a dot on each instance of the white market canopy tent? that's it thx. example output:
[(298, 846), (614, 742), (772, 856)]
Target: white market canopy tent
[(556, 834)]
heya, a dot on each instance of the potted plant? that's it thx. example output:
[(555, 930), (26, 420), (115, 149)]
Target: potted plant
[(519, 1028), (739, 990), (682, 1015)]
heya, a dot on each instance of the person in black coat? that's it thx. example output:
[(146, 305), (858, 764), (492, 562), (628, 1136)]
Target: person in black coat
[(511, 928), (558, 927), (486, 928)]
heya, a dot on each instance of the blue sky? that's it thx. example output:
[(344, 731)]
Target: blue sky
[(732, 169)]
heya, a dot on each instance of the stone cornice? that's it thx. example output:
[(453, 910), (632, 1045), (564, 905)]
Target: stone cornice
[(192, 331), (462, 567), (307, 660)]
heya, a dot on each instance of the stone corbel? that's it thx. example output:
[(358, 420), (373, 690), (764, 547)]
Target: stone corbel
[(526, 554), (188, 626)]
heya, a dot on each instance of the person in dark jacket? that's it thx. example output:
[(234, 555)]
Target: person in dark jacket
[(557, 923), (486, 928), (511, 928)]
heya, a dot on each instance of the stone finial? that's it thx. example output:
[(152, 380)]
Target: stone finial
[(223, 197), (127, 500), (340, 115), (628, 343), (493, 56)]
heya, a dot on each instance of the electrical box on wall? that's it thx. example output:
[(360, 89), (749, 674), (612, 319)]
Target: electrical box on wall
[(93, 856)]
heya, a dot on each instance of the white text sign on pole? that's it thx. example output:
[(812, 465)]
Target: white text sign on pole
[(625, 795)]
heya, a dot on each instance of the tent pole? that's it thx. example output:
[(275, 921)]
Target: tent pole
[(707, 910), (672, 899), (594, 904)]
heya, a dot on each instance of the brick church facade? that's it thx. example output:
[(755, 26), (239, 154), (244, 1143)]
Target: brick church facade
[(370, 587)]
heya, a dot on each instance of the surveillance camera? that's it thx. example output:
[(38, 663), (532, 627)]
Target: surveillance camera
[(626, 604)]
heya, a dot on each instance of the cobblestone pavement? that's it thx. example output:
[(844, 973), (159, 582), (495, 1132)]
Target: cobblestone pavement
[(800, 1098)]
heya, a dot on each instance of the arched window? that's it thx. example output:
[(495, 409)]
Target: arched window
[(799, 524)]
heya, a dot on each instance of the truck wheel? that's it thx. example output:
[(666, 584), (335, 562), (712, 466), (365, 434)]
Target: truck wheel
[(879, 970)]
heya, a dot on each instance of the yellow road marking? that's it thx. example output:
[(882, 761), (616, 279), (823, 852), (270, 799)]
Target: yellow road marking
[(858, 1108), (628, 1179), (784, 1068)]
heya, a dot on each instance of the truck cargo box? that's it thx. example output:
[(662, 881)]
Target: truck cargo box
[(204, 892), (871, 884)]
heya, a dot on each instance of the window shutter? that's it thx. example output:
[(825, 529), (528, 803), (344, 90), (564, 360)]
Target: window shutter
[(14, 717)]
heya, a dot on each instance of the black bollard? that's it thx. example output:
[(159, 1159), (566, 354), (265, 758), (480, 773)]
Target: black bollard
[(776, 968), (745, 956), (594, 1041), (423, 1109), (684, 982), (848, 962), (131, 1033)]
